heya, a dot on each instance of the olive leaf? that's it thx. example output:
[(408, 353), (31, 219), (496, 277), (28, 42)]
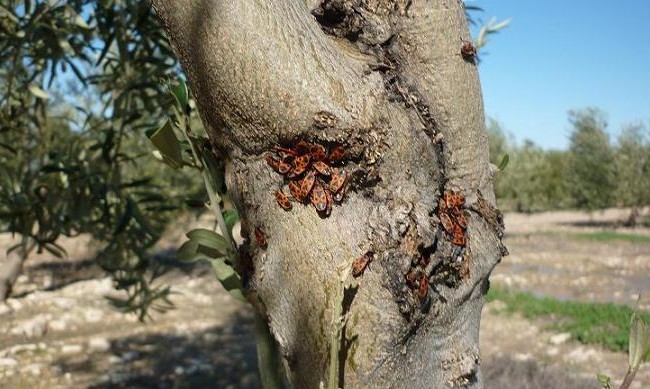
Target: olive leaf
[(228, 278), (639, 349), (167, 144)]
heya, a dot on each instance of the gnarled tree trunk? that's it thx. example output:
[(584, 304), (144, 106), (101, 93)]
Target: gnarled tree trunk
[(385, 79)]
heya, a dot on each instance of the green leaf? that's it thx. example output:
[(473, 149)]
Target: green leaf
[(228, 278), (188, 251), (126, 217), (167, 143), (6, 12), (639, 341), (38, 92), (500, 26), (605, 381), (210, 243), (80, 22), (231, 217), (55, 249), (179, 91), (504, 162)]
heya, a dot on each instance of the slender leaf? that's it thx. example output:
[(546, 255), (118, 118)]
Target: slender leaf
[(38, 92), (228, 278), (504, 162), (179, 91), (209, 242)]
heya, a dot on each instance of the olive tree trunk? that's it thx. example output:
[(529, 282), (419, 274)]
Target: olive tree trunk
[(385, 79), (9, 271)]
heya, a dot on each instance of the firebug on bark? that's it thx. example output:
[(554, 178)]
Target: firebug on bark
[(283, 200), (446, 222), (338, 180), (336, 154), (319, 198), (318, 152), (260, 238), (322, 168), (423, 287), (307, 184), (294, 189), (360, 264)]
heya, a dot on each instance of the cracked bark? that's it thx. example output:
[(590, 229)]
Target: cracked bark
[(409, 111)]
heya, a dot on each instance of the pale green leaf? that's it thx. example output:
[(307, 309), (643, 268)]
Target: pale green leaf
[(38, 92), (228, 278), (213, 244), (639, 340), (230, 216), (167, 144), (501, 25), (179, 91), (80, 22)]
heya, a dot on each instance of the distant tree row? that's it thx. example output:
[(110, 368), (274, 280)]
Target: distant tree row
[(594, 173)]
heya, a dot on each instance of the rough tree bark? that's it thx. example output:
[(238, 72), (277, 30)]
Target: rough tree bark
[(384, 78)]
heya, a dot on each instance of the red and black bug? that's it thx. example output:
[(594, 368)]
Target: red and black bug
[(423, 287), (338, 196), (306, 185), (459, 238), (411, 278), (446, 222), (336, 154), (360, 264), (281, 167), (260, 238), (294, 189), (338, 180), (302, 147), (300, 165), (283, 200), (322, 168), (318, 152), (328, 198), (461, 219), (319, 198), (468, 51)]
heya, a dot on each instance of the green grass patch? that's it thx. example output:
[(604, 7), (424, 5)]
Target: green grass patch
[(590, 323), (604, 236)]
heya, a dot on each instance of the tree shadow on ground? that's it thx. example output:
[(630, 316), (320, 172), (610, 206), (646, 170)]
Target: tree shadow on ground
[(507, 373), (65, 272), (605, 224), (222, 356)]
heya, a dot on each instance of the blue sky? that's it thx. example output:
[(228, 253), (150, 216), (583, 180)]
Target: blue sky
[(561, 55)]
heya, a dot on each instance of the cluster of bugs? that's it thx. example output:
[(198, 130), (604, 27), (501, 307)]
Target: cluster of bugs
[(311, 173), (418, 282), (453, 218)]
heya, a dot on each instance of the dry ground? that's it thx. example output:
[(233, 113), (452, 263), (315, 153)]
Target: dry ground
[(59, 332)]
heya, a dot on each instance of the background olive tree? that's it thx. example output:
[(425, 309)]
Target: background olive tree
[(82, 81)]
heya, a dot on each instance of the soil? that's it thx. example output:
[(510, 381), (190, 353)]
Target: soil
[(58, 331)]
